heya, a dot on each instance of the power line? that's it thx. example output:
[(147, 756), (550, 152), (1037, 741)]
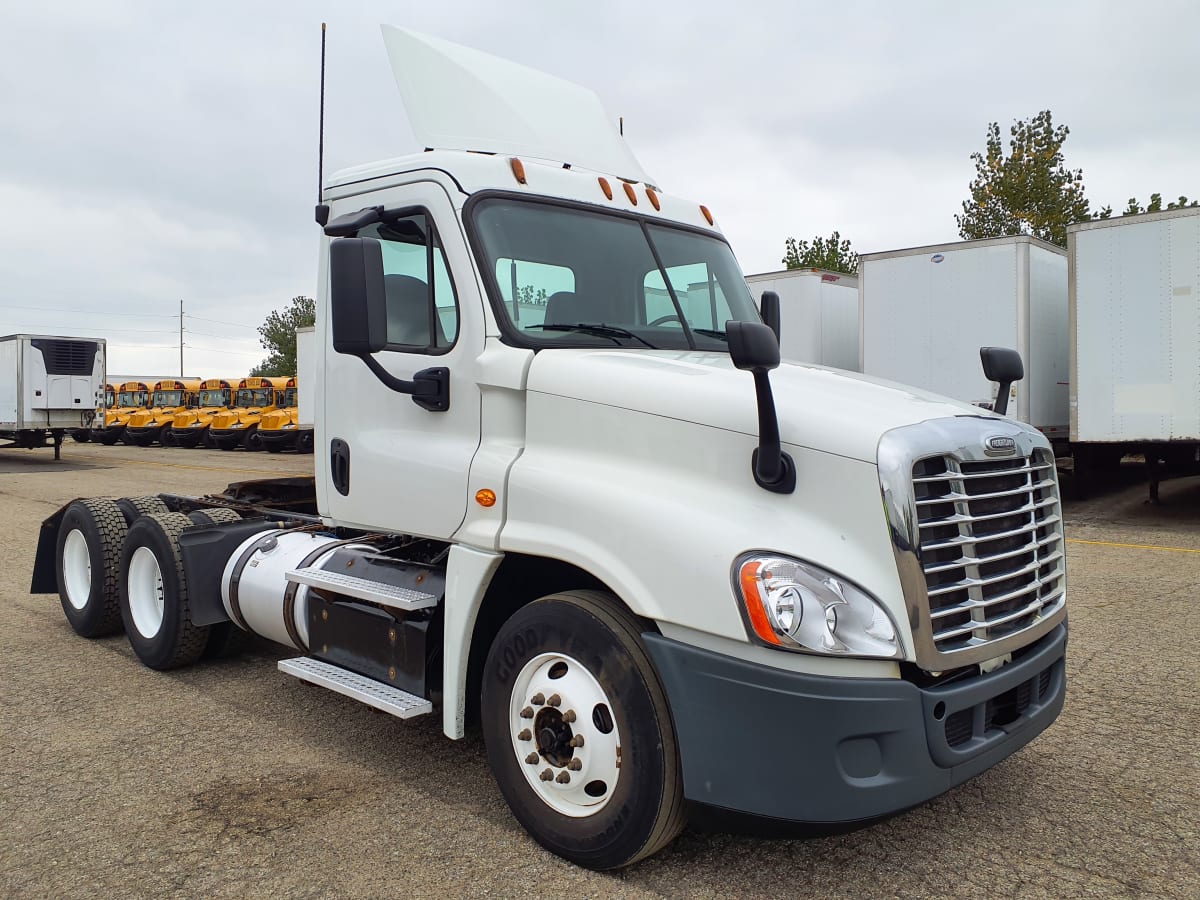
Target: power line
[(220, 322), (91, 312)]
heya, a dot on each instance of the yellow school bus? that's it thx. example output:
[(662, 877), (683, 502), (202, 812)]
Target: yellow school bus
[(168, 399), (190, 427), (238, 425), (278, 429), (131, 396)]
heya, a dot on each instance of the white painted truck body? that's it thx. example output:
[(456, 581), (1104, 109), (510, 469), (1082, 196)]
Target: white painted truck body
[(926, 311), (49, 382), (306, 372), (1135, 328), (818, 315), (581, 501)]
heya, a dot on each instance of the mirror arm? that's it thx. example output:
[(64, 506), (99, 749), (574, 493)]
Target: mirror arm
[(429, 388), (774, 470), (1001, 405)]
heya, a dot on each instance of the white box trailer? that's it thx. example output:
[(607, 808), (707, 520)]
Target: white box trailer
[(1135, 328), (48, 385), (925, 312), (818, 313)]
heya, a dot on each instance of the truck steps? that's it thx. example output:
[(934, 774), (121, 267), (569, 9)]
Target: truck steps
[(374, 693), (364, 589)]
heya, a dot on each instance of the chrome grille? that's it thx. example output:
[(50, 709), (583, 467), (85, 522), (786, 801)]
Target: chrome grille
[(990, 544)]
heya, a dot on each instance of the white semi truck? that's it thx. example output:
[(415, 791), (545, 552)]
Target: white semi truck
[(1135, 341), (562, 491), (49, 385), (926, 311), (818, 315)]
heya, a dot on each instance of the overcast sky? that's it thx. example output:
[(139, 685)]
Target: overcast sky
[(153, 151)]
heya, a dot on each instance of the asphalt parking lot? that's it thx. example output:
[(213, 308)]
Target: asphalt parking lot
[(230, 779)]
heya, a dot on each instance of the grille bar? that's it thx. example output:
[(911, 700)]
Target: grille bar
[(995, 557), (932, 479), (991, 623), (956, 496), (968, 605), (967, 583), (965, 540), (960, 517)]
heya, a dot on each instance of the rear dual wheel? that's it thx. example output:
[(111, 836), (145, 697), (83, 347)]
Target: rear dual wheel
[(88, 554), (578, 732), (154, 596)]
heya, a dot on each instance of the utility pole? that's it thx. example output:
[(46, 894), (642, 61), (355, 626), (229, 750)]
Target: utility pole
[(180, 338)]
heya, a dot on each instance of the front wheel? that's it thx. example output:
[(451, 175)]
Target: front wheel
[(578, 731)]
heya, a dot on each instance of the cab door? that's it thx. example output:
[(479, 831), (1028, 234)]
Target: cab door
[(387, 463)]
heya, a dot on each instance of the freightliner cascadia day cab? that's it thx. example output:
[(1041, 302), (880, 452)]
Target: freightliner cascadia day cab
[(190, 427), (49, 385), (132, 396), (552, 497), (168, 399), (237, 426)]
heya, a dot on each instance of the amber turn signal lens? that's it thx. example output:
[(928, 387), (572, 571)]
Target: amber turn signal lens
[(631, 193), (485, 497), (753, 601), (518, 168), (606, 187)]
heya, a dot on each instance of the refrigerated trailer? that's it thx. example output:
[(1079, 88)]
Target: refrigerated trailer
[(564, 488), (924, 313), (49, 385), (1134, 340), (818, 313)]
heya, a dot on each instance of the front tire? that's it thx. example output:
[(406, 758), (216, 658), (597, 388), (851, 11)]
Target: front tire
[(253, 440), (578, 732), (154, 595), (87, 561)]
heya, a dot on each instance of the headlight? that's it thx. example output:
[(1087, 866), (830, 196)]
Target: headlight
[(798, 606), (196, 425)]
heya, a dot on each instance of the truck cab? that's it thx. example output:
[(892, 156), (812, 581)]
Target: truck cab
[(238, 425), (168, 399), (131, 397), (565, 488)]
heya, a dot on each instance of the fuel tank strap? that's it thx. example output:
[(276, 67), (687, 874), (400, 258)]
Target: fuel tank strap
[(289, 596)]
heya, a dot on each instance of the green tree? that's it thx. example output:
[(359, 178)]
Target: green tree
[(278, 336), (1029, 191), (1156, 205), (831, 253)]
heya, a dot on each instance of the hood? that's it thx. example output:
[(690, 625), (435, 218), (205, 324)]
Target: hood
[(278, 418), (819, 408)]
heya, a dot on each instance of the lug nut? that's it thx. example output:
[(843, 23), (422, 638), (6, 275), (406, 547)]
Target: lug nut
[(554, 700), (575, 765), (563, 778), (569, 716), (527, 712), (537, 699), (576, 741), (547, 775), (525, 735), (532, 759)]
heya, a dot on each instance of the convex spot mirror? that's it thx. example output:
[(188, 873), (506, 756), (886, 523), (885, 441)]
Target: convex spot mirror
[(357, 299)]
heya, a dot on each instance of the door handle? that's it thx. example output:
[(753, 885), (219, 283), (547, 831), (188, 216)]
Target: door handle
[(339, 465)]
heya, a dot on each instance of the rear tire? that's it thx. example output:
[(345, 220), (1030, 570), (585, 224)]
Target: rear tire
[(154, 597), (166, 437), (213, 516), (109, 439), (618, 797), (81, 435), (133, 507), (87, 564)]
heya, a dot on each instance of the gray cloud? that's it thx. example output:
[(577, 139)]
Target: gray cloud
[(153, 152)]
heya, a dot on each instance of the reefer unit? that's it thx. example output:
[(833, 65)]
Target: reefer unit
[(1135, 328), (925, 312), (49, 382), (818, 312)]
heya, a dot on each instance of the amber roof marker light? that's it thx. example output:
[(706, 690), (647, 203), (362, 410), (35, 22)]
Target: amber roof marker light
[(707, 215), (631, 193), (605, 186), (518, 170), (653, 198)]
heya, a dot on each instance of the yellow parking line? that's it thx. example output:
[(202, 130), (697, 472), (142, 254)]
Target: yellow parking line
[(1133, 546)]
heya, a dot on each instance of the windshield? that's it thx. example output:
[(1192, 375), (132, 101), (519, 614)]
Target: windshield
[(215, 397), (109, 398), (132, 398), (288, 397), (557, 268), (168, 398), (254, 397)]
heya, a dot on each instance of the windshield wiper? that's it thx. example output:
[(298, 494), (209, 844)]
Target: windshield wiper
[(712, 333), (610, 331)]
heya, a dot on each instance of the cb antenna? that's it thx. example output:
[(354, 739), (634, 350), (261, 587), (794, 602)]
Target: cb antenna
[(322, 214)]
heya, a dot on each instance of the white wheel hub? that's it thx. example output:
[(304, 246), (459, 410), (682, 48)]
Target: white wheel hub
[(77, 569), (144, 584), (564, 733)]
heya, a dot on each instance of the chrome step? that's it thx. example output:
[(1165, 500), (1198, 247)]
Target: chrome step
[(365, 690), (363, 589)]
